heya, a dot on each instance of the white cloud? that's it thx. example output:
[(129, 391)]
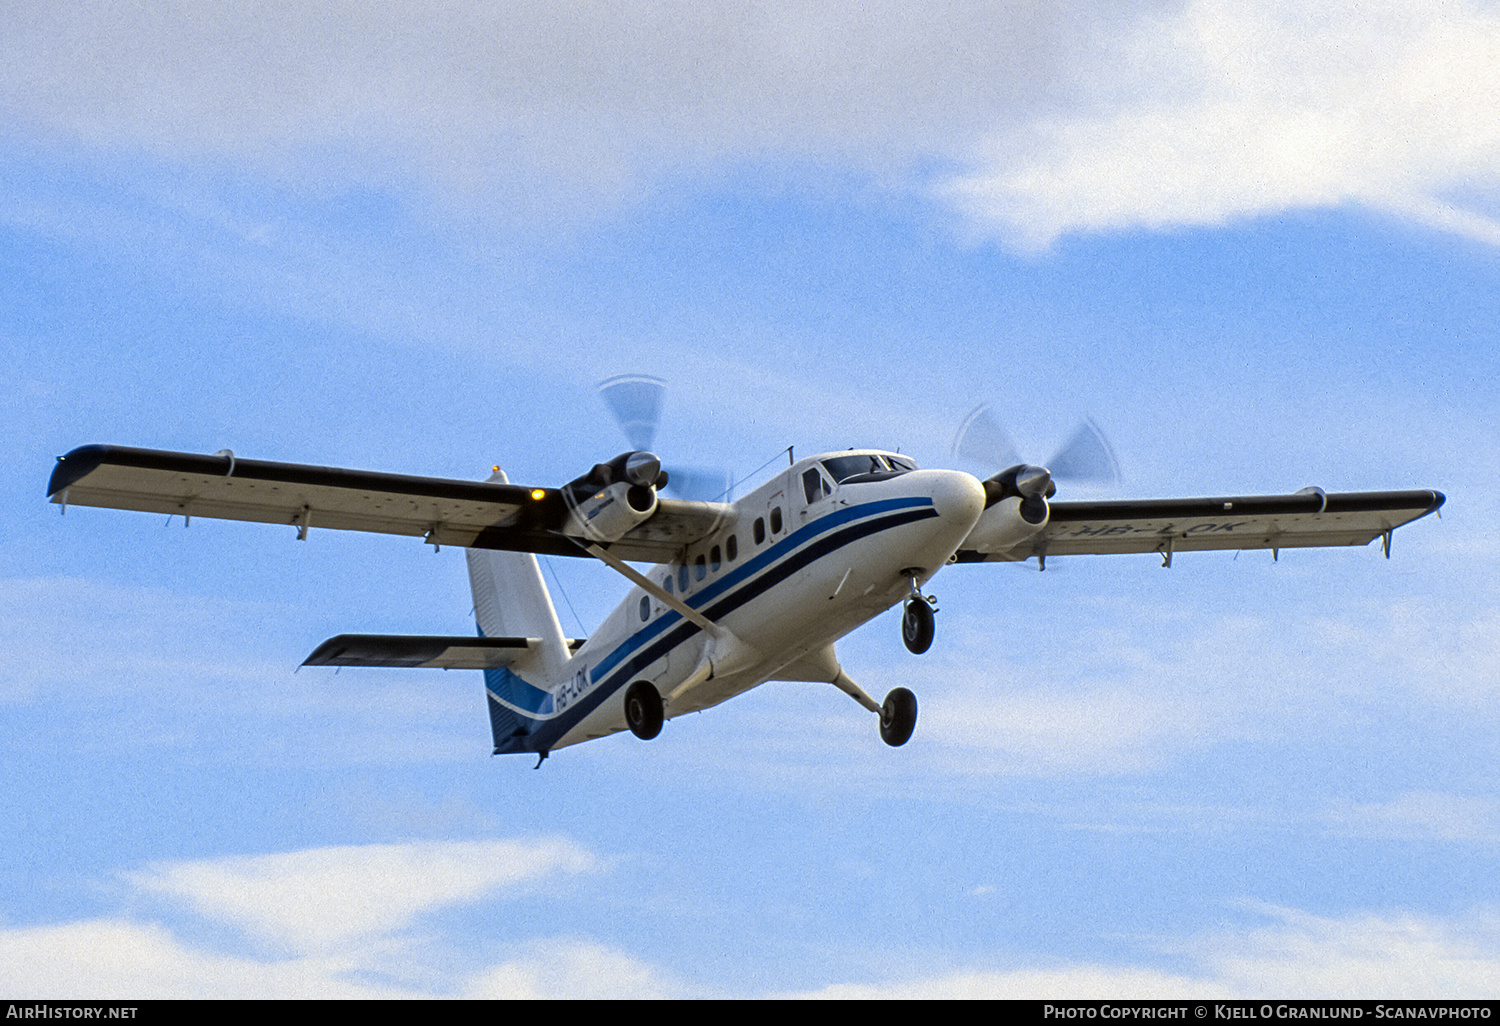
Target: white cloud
[(1078, 983), (1043, 732), (1234, 109), (472, 95), (571, 969), (124, 959), (1095, 117), (341, 916), (118, 958), (1356, 956), (1299, 956), (1423, 816), (323, 899), (345, 913), (1447, 656)]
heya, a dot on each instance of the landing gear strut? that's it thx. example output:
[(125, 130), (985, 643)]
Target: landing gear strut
[(898, 717), (643, 710)]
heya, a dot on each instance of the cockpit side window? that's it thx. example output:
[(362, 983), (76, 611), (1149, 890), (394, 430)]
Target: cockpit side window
[(813, 485)]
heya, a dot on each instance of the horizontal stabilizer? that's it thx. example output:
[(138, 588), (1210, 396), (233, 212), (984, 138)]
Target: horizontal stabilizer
[(461, 652)]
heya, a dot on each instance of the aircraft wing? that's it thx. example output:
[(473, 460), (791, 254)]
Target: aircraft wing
[(441, 511), (1165, 526)]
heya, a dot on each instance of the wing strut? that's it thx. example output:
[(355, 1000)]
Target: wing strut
[(724, 652), (651, 587)]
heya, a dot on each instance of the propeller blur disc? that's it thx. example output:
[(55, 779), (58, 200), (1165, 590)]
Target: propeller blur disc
[(635, 400), (1087, 456), (982, 440)]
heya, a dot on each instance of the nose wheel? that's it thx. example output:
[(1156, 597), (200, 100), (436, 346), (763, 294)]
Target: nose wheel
[(916, 622)]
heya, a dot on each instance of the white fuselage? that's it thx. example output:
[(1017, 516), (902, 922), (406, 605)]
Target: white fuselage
[(804, 559)]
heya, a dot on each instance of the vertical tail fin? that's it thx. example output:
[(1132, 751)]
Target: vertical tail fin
[(511, 600)]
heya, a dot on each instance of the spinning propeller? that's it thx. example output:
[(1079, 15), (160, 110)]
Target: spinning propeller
[(635, 400), (1085, 457)]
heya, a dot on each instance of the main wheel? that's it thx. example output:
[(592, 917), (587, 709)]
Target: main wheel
[(917, 626), (898, 717), (643, 711)]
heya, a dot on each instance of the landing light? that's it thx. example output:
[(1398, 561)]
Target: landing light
[(538, 494)]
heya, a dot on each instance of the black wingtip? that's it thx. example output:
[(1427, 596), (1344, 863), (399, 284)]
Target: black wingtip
[(75, 465)]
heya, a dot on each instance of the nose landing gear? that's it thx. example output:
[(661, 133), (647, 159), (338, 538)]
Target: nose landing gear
[(916, 620)]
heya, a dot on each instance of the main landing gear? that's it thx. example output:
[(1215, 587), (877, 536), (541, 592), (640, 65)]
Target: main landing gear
[(916, 620), (898, 717), (643, 710)]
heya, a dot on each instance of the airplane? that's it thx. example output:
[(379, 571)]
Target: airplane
[(736, 592)]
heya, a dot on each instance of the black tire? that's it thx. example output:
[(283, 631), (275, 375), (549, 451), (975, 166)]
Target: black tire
[(898, 717), (917, 626), (643, 710)]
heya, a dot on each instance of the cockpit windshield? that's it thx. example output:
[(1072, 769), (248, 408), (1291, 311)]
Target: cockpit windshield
[(866, 467)]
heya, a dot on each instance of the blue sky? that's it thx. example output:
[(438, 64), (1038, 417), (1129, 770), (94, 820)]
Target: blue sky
[(1257, 244)]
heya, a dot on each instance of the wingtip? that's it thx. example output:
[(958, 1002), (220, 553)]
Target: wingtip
[(72, 466)]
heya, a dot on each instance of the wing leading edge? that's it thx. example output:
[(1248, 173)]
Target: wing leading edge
[(1308, 518), (441, 511)]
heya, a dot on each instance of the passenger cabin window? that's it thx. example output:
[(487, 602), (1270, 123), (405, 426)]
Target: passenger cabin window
[(714, 562), (776, 520), (682, 579), (759, 530), (700, 568), (732, 548), (645, 608)]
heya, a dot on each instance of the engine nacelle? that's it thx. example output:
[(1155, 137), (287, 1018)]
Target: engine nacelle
[(1015, 508), (605, 503), (608, 514), (1007, 524)]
